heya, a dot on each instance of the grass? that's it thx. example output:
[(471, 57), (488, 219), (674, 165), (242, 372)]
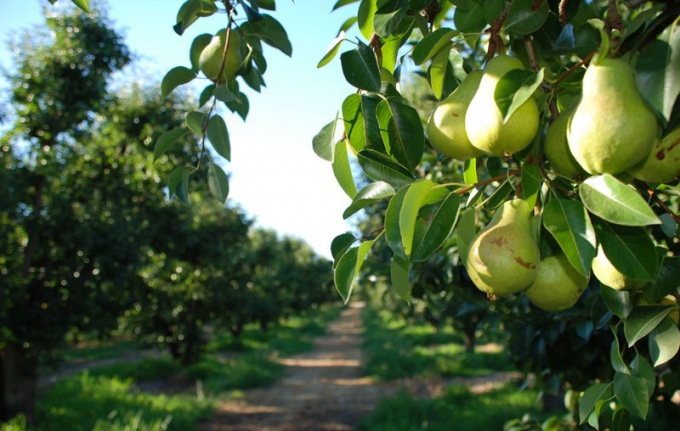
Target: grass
[(456, 409), (397, 349)]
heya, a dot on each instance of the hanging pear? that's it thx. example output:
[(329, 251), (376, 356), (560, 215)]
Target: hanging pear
[(610, 276), (484, 121), (612, 128), (446, 126), (556, 149), (503, 257), (557, 286), (662, 165), (210, 60)]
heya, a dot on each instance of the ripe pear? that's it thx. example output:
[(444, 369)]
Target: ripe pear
[(446, 126), (484, 121), (612, 128), (503, 257), (662, 165), (557, 286), (210, 60), (556, 150), (608, 275)]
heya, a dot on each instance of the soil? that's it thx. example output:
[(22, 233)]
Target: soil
[(324, 390)]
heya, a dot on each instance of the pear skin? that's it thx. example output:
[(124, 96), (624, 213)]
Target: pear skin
[(608, 275), (556, 150), (484, 121), (612, 128), (446, 126), (557, 286), (503, 257), (210, 60), (662, 165)]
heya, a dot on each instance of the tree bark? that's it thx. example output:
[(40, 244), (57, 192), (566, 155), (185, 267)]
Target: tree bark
[(18, 384)]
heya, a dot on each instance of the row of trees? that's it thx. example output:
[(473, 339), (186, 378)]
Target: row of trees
[(90, 236)]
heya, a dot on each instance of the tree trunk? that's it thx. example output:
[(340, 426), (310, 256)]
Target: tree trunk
[(18, 384), (469, 339)]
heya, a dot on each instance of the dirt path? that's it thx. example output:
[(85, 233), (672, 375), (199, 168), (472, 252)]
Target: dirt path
[(323, 390)]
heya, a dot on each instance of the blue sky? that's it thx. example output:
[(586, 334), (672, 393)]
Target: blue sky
[(276, 177)]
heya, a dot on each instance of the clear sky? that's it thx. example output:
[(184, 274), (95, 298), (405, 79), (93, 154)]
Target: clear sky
[(275, 175)]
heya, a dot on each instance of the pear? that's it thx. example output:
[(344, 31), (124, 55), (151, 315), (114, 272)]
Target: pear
[(612, 128), (446, 126), (557, 286), (556, 150), (608, 275), (210, 60), (484, 121), (503, 257), (662, 165)]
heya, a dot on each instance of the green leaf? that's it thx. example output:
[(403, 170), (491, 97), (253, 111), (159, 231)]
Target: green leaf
[(324, 141), (218, 183), (178, 184), (199, 42), (207, 93), (340, 244), (342, 168), (271, 32), (617, 301), (417, 195), (392, 229), (380, 167), (402, 131), (667, 278), (568, 222), (523, 18), (631, 391), (470, 171), (531, 180), (399, 275), (614, 201), (194, 121), (367, 10), (437, 225), (219, 136), (341, 3), (166, 140), (514, 89), (265, 4), (432, 44), (361, 124), (469, 16), (643, 320), (360, 68), (373, 192), (465, 232), (629, 249), (615, 357), (438, 69), (641, 367), (175, 77), (664, 342), (82, 4), (388, 16), (332, 50), (591, 396), (621, 420), (348, 267)]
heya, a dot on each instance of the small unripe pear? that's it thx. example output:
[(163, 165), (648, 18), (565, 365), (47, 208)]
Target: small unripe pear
[(210, 60), (612, 128), (557, 152), (662, 165), (557, 286), (484, 121), (446, 126), (608, 275), (503, 257)]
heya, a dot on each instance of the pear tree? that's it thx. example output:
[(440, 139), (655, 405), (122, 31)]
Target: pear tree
[(575, 120)]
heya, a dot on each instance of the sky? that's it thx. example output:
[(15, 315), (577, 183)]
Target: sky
[(275, 175)]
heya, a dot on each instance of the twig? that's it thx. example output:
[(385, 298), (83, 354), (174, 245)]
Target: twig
[(652, 194), (377, 48), (563, 12), (461, 191), (574, 68), (496, 41)]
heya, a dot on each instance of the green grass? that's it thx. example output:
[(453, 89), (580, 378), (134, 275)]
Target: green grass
[(457, 409), (138, 371), (397, 349), (98, 351)]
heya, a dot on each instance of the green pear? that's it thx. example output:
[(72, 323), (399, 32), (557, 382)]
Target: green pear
[(557, 286), (556, 150), (662, 165), (210, 60), (446, 126), (612, 128), (503, 257), (484, 121), (608, 275)]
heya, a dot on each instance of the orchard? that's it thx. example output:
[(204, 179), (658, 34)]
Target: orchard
[(537, 173)]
